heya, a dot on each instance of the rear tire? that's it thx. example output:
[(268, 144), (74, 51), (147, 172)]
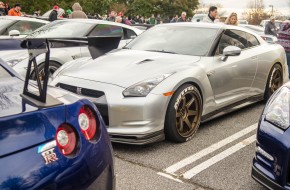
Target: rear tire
[(183, 114), (53, 66), (274, 81)]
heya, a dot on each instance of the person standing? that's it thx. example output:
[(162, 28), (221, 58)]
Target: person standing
[(37, 13), (284, 40), (232, 19), (158, 19), (77, 12), (16, 11), (53, 15), (174, 19), (2, 9), (270, 28), (112, 16), (152, 20), (212, 14), (182, 18)]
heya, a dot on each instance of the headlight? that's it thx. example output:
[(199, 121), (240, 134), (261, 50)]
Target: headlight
[(278, 109), (142, 89), (12, 62)]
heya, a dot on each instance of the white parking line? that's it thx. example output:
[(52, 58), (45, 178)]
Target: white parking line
[(175, 167), (169, 177), (199, 168)]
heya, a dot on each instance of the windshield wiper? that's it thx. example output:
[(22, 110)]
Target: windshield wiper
[(126, 47), (162, 51)]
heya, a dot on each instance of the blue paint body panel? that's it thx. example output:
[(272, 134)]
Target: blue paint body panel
[(26, 130), (274, 174)]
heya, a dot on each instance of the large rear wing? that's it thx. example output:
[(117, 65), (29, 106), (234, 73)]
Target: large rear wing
[(97, 46)]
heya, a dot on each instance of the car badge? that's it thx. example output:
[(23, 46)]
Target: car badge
[(49, 156), (79, 90), (47, 152)]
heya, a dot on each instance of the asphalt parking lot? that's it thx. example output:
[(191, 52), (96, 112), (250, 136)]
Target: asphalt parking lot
[(218, 157)]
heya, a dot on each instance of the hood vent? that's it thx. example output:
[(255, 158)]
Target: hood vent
[(144, 61)]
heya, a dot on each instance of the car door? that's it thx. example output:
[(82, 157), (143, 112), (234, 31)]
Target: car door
[(231, 79)]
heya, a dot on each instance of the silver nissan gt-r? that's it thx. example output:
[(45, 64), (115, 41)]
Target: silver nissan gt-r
[(175, 76)]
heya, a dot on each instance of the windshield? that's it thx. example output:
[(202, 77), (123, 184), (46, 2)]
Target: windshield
[(5, 23), (62, 29), (185, 40)]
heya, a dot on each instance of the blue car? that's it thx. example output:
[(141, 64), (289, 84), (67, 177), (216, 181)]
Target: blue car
[(271, 165), (64, 146)]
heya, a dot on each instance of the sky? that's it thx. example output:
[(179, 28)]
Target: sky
[(282, 6)]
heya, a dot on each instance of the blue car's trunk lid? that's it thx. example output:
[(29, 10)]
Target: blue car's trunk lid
[(23, 125)]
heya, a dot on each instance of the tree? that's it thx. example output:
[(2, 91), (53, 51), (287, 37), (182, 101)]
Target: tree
[(256, 12)]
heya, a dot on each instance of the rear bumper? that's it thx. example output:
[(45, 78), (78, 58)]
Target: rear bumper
[(264, 180)]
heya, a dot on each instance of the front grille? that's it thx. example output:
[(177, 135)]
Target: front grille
[(103, 108), (81, 91)]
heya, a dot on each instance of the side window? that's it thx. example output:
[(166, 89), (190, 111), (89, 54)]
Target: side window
[(106, 30), (3, 73), (232, 38), (25, 27), (252, 40), (130, 34)]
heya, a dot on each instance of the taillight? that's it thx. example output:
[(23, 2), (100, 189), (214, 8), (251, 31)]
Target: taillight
[(66, 139), (87, 122)]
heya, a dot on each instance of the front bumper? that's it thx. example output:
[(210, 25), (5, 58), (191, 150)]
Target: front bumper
[(264, 180), (131, 120), (272, 160)]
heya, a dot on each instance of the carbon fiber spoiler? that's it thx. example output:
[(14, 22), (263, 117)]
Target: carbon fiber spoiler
[(97, 46)]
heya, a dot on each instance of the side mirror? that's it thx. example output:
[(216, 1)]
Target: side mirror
[(14, 33), (231, 51)]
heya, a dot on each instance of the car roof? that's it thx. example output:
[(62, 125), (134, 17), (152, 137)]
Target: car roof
[(23, 18), (95, 21)]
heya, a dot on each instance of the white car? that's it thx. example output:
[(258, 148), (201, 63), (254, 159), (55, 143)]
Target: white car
[(64, 52), (23, 25)]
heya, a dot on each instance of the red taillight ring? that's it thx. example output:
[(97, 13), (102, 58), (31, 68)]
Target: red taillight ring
[(66, 139), (87, 122)]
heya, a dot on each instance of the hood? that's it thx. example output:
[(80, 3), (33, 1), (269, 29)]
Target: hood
[(127, 67), (77, 7)]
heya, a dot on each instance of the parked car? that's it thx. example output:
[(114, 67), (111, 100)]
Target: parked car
[(261, 31), (172, 80), (198, 17), (271, 162), (22, 25), (62, 146), (61, 53), (243, 22)]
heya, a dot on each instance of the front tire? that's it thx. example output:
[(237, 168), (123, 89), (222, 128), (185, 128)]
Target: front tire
[(183, 114), (274, 81)]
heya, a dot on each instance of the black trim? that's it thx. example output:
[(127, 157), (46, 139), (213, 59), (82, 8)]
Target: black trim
[(264, 180), (231, 107), (138, 139)]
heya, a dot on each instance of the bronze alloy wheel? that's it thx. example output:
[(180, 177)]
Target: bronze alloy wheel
[(276, 80), (187, 114), (51, 70), (183, 114)]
